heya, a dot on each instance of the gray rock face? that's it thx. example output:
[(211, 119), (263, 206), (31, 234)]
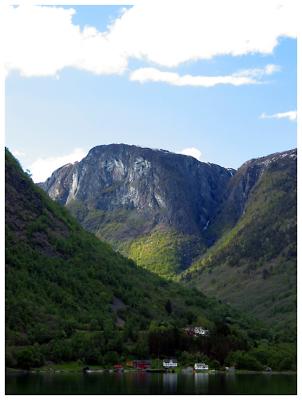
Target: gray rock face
[(251, 171), (162, 209), (165, 188), (240, 187)]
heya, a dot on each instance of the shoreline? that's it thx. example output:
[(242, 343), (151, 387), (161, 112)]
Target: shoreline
[(12, 371)]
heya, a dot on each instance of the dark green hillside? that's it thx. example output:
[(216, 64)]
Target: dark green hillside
[(70, 297), (253, 265)]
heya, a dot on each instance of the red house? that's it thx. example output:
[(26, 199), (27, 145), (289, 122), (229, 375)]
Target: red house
[(142, 364)]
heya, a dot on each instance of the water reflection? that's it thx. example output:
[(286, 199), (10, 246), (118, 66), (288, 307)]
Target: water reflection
[(170, 383), (150, 383), (201, 382)]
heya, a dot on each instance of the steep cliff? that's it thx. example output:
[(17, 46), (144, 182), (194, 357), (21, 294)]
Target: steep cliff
[(152, 205)]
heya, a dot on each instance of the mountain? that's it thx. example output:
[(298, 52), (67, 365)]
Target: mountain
[(253, 263), (152, 205), (230, 233), (69, 296)]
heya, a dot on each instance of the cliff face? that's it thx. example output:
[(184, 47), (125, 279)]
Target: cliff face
[(164, 210), (152, 205), (161, 187)]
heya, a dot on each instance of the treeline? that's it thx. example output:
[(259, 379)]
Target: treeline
[(225, 346)]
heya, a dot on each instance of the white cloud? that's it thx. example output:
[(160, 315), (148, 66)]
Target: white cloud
[(18, 153), (41, 41), (172, 32), (243, 77), (290, 115), (42, 168), (269, 69), (192, 151)]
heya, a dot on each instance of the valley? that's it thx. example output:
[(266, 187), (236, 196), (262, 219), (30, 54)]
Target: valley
[(230, 233)]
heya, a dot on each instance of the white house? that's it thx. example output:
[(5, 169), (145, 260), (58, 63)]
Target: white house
[(199, 330), (201, 367), (196, 331), (170, 363)]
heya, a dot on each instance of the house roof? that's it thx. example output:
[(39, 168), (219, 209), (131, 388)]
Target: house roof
[(142, 361)]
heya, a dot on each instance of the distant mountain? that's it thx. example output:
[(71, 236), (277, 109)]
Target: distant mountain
[(230, 233), (253, 263), (69, 296), (152, 205)]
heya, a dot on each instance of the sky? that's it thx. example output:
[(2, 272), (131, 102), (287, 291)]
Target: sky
[(220, 86)]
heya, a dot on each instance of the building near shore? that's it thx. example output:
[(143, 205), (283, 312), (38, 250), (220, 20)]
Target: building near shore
[(201, 367), (141, 364), (170, 363)]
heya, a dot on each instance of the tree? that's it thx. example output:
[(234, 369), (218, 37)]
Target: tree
[(110, 358), (28, 173), (244, 360), (168, 307), (215, 364), (29, 357)]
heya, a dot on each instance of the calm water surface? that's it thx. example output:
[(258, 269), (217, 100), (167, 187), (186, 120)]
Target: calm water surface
[(149, 383)]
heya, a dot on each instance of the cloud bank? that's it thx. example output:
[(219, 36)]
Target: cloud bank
[(43, 40), (290, 115), (42, 168), (244, 77)]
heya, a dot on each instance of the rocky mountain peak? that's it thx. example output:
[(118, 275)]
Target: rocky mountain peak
[(159, 208), (163, 187)]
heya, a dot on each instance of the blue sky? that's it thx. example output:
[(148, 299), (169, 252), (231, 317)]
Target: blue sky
[(49, 117)]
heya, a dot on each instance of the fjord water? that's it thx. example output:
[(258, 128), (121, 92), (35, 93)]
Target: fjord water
[(150, 383)]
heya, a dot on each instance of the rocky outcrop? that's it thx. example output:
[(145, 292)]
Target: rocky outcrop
[(162, 209), (162, 187), (241, 186)]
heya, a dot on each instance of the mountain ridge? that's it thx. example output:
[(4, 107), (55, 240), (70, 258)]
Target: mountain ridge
[(114, 159), (147, 202), (135, 197), (221, 215)]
